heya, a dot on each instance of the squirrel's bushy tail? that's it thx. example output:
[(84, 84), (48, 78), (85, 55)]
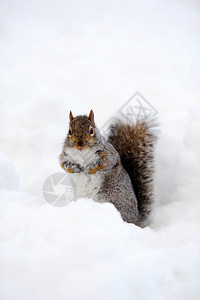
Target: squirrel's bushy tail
[(135, 144)]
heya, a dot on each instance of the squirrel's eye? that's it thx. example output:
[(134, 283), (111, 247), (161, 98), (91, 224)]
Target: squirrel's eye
[(91, 131), (70, 133)]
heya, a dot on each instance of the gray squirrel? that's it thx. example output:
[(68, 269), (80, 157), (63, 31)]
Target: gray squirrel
[(118, 169)]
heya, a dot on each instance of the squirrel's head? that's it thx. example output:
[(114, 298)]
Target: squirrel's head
[(81, 134)]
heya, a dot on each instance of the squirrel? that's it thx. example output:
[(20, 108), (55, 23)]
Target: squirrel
[(118, 169)]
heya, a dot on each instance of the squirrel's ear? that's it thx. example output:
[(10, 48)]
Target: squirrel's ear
[(91, 116), (70, 116)]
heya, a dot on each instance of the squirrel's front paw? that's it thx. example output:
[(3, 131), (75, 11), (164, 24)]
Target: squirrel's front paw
[(71, 168), (94, 168)]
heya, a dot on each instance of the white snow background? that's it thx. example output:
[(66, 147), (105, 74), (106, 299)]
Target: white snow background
[(62, 55)]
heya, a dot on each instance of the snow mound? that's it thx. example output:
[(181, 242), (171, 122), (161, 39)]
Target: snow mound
[(86, 251)]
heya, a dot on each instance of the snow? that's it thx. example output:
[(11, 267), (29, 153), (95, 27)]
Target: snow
[(8, 178), (57, 56)]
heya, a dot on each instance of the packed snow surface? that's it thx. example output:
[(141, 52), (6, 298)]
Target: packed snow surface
[(62, 55)]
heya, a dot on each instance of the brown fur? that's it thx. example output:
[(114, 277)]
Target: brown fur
[(80, 132), (63, 165), (135, 146), (99, 167)]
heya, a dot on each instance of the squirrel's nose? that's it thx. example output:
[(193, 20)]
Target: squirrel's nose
[(80, 143)]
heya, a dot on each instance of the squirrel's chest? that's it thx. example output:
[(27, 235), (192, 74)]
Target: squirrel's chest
[(84, 158), (88, 185)]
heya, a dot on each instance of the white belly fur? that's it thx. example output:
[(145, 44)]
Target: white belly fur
[(87, 185)]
